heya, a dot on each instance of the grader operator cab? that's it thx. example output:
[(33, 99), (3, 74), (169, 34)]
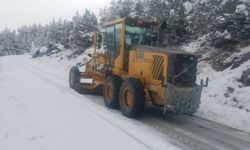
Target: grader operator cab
[(133, 73)]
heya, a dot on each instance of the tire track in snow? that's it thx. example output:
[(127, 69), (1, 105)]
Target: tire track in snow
[(55, 84)]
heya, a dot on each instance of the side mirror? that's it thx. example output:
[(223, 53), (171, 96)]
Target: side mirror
[(105, 40), (99, 40), (153, 39)]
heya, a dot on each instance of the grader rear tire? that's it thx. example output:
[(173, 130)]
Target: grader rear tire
[(132, 98), (111, 89)]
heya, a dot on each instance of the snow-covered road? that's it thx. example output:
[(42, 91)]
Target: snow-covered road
[(38, 111)]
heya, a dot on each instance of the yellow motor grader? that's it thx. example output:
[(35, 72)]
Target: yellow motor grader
[(134, 71)]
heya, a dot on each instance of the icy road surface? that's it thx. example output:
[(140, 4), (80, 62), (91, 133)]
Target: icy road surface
[(38, 111)]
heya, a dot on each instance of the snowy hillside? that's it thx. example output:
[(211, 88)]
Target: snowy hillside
[(226, 99)]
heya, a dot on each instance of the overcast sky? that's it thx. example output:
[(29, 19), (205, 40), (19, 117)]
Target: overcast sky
[(15, 13)]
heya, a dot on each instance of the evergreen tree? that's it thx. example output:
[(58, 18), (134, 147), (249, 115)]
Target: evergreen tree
[(83, 26), (23, 39), (9, 43), (231, 25), (140, 9)]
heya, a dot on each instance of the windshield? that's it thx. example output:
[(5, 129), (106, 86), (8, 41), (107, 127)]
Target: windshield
[(138, 35)]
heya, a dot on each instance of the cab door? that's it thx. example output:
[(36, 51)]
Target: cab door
[(113, 42)]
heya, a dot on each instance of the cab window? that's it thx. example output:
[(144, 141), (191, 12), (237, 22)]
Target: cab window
[(137, 35), (114, 40)]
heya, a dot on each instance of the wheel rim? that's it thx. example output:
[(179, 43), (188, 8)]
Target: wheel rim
[(109, 91), (128, 98)]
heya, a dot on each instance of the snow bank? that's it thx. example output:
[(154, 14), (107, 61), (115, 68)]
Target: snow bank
[(193, 47), (64, 60), (226, 100)]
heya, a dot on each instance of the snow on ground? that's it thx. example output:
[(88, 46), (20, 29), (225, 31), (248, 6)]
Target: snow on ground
[(219, 104), (225, 100), (194, 46), (38, 111)]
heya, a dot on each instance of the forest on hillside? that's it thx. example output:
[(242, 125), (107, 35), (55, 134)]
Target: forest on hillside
[(221, 22)]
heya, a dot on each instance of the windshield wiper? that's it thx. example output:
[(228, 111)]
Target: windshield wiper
[(184, 71)]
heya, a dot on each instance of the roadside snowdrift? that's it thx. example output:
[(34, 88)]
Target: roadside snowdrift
[(226, 100)]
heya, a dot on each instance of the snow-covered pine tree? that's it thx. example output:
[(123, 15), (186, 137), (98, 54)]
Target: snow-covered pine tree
[(117, 9), (140, 9), (23, 39), (83, 26), (158, 10), (125, 8), (90, 25), (66, 33), (232, 23), (175, 17), (9, 43), (53, 32)]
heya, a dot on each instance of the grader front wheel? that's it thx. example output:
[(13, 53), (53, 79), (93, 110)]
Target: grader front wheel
[(132, 98), (74, 78)]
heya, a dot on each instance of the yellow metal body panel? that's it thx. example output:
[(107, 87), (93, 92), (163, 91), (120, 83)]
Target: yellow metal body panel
[(144, 65), (140, 66)]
